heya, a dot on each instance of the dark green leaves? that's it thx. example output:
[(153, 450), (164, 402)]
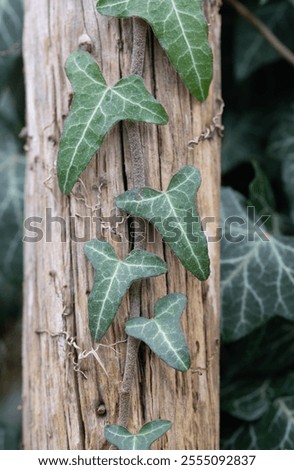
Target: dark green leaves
[(163, 334), (257, 271), (124, 440), (12, 172), (174, 215), (252, 50), (181, 30), (268, 408), (95, 109), (113, 277), (11, 16)]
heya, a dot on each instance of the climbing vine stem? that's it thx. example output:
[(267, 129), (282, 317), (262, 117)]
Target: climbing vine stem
[(138, 180)]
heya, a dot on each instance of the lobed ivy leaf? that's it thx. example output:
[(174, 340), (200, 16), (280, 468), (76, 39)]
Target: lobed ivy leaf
[(113, 277), (124, 440), (163, 334), (257, 271), (174, 215), (96, 108), (181, 29)]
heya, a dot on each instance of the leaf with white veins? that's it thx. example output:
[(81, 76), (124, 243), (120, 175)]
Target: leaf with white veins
[(163, 334), (121, 438), (181, 29), (113, 277), (95, 109), (174, 215)]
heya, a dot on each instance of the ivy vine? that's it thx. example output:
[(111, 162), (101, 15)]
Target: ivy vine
[(181, 29)]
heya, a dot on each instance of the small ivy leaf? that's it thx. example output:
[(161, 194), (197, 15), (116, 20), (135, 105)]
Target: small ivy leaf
[(95, 109), (121, 438), (181, 29), (163, 334), (113, 277), (174, 215)]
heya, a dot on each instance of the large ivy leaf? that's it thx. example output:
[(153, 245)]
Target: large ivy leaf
[(251, 48), (11, 15), (174, 215), (113, 277), (257, 271), (124, 440), (95, 109), (163, 334), (181, 29)]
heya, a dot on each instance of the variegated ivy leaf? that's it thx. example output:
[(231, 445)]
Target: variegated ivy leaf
[(181, 29), (113, 277), (121, 438), (174, 215), (95, 109), (163, 334)]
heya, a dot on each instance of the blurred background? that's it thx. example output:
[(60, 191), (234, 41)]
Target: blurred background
[(257, 354)]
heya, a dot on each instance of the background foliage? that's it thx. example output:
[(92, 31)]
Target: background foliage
[(258, 276), (12, 164), (258, 169)]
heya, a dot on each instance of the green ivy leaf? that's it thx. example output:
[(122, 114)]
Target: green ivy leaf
[(163, 334), (113, 277), (124, 440), (174, 215), (257, 273), (181, 29), (95, 109)]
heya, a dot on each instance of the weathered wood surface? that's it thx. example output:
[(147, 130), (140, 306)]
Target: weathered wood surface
[(67, 400)]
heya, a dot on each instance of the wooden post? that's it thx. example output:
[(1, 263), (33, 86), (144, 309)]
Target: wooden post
[(68, 394)]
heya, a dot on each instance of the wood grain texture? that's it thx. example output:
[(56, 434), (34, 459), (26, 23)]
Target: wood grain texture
[(67, 400)]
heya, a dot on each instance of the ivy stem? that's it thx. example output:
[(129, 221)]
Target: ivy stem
[(138, 181)]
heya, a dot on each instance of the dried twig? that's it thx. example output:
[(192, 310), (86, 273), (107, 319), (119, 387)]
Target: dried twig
[(283, 50)]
